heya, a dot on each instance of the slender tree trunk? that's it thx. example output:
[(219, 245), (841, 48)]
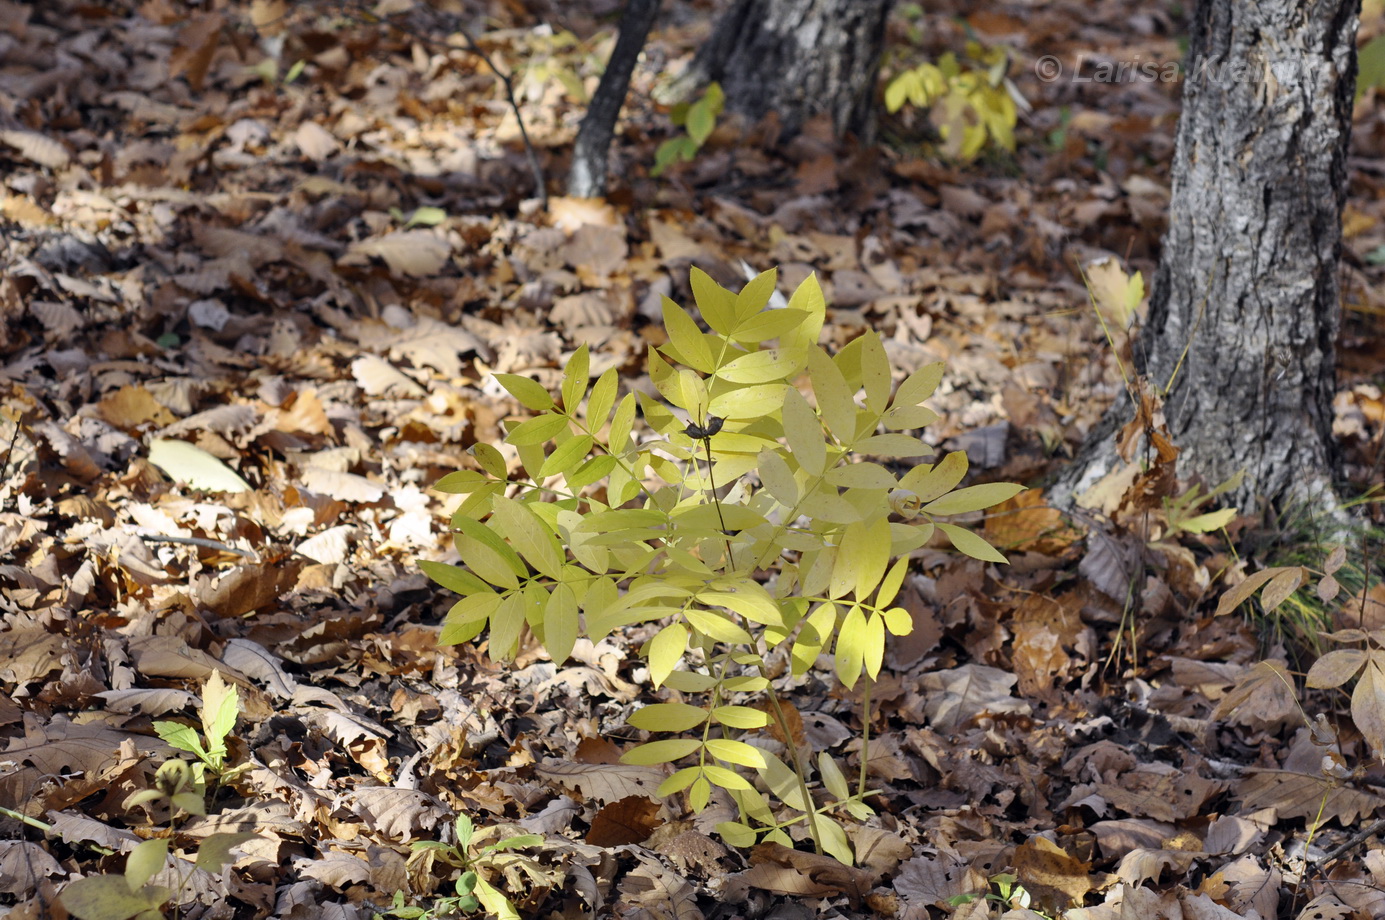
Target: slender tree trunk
[(1245, 305), (587, 179), (798, 58)]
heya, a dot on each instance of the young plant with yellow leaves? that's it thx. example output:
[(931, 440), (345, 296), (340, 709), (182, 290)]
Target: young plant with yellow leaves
[(753, 514)]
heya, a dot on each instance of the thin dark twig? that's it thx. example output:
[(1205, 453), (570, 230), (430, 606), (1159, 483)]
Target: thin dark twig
[(1356, 840), (364, 16)]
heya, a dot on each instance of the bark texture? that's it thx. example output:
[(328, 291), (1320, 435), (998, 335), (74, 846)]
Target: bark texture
[(587, 177), (798, 58), (1247, 279)]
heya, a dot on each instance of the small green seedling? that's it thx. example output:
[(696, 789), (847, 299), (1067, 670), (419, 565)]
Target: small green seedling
[(699, 119), (472, 891), (220, 707), (131, 894)]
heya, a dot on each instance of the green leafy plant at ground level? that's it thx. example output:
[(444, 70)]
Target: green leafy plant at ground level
[(219, 709), (970, 103), (752, 518), (180, 788), (698, 119), (471, 890)]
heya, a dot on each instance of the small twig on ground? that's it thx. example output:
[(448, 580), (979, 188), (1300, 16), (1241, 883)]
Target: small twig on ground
[(1359, 838), (197, 541)]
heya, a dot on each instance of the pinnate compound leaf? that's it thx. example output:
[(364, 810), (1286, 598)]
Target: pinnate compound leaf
[(530, 393), (974, 498), (1336, 668), (971, 545), (655, 752), (668, 717)]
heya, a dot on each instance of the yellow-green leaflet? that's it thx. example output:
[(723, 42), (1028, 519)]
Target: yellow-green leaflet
[(851, 644), (875, 373), (530, 393), (560, 622), (529, 535), (718, 627), (653, 752), (499, 567), (750, 601), (770, 324), (621, 423), (832, 776), (490, 458), (566, 456), (761, 366), (603, 397), (864, 475), (576, 376), (777, 477), (974, 498), (452, 578), (736, 834), (970, 544), (740, 717), (898, 621), (534, 431), (737, 752), (833, 395), (890, 584), (686, 338), (668, 717), (665, 650), (920, 385), (506, 622), (716, 304), (873, 650), (933, 482), (893, 444), (725, 778), (679, 781), (460, 482), (861, 558), (752, 402), (753, 297), (803, 430)]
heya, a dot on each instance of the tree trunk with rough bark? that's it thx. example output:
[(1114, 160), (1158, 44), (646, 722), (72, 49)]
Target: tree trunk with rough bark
[(1245, 306), (798, 58), (587, 177)]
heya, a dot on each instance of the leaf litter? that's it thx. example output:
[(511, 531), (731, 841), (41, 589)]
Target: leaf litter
[(251, 311)]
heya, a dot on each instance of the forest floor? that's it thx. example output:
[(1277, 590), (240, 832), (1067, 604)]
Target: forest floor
[(207, 240)]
